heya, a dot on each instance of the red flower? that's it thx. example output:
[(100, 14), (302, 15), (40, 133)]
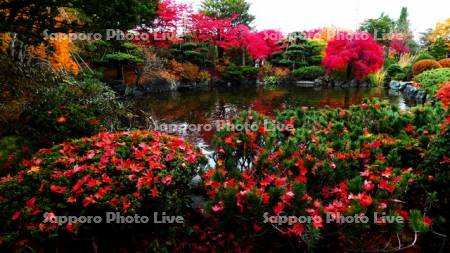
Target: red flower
[(16, 215), (368, 185), (218, 207), (278, 208), (167, 180), (427, 220), (296, 230), (88, 200), (61, 120), (257, 228), (154, 192), (58, 189), (365, 200)]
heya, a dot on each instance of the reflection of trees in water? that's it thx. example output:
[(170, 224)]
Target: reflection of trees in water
[(201, 107)]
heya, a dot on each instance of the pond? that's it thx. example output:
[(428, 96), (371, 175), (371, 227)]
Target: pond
[(189, 113)]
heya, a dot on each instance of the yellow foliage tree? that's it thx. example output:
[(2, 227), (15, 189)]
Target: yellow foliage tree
[(61, 58), (5, 39), (442, 30)]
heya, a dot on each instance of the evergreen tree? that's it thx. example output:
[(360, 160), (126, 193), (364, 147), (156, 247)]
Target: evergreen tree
[(227, 8)]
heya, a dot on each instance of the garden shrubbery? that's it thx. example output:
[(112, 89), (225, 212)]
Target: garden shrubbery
[(308, 73), (424, 56), (424, 65), (74, 107), (238, 73), (129, 172), (329, 162), (430, 80), (445, 63)]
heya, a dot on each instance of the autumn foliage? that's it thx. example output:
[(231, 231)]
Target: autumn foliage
[(444, 94), (445, 63), (128, 172), (424, 65), (61, 58), (357, 54)]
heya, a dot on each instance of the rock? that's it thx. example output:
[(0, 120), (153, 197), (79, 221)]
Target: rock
[(421, 96), (410, 91), (354, 84), (159, 85), (394, 85), (366, 84), (403, 85)]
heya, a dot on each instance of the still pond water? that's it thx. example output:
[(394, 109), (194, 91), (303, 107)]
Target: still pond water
[(190, 109)]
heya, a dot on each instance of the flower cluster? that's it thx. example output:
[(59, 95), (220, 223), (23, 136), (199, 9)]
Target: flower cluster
[(332, 163), (130, 172)]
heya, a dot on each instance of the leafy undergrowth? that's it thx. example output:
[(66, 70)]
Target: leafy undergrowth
[(371, 158), (129, 172)]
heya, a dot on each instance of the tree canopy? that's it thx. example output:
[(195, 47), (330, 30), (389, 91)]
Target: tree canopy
[(227, 8), (71, 15)]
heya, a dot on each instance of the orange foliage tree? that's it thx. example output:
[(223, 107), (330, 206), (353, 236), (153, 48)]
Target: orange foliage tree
[(61, 58)]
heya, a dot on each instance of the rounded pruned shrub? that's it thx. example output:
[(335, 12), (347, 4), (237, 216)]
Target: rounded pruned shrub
[(424, 56), (424, 65), (445, 63), (130, 173), (308, 73)]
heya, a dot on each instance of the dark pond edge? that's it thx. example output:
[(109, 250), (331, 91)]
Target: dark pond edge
[(162, 86), (411, 92)]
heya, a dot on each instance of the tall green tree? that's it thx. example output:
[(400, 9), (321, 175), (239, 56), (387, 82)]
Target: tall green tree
[(228, 8), (403, 22), (379, 27)]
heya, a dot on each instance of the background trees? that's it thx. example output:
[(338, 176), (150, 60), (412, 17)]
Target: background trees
[(29, 18), (379, 28), (227, 8)]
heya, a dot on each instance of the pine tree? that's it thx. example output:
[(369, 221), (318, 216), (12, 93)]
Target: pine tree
[(228, 8)]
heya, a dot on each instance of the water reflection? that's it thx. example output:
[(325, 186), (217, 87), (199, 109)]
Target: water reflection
[(207, 107)]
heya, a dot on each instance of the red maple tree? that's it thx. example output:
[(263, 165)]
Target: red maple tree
[(358, 54)]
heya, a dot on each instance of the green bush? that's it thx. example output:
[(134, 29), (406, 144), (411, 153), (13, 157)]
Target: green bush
[(271, 82), (424, 56), (394, 69), (239, 73), (349, 161), (430, 80), (12, 150), (308, 73), (75, 107)]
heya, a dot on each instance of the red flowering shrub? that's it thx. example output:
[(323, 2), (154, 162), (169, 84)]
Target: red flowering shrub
[(444, 94), (319, 164), (445, 63), (424, 65), (133, 173), (357, 54)]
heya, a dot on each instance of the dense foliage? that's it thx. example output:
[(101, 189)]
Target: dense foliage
[(445, 63), (130, 173), (228, 8), (74, 107), (335, 162), (308, 73), (424, 65), (356, 54), (430, 80)]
